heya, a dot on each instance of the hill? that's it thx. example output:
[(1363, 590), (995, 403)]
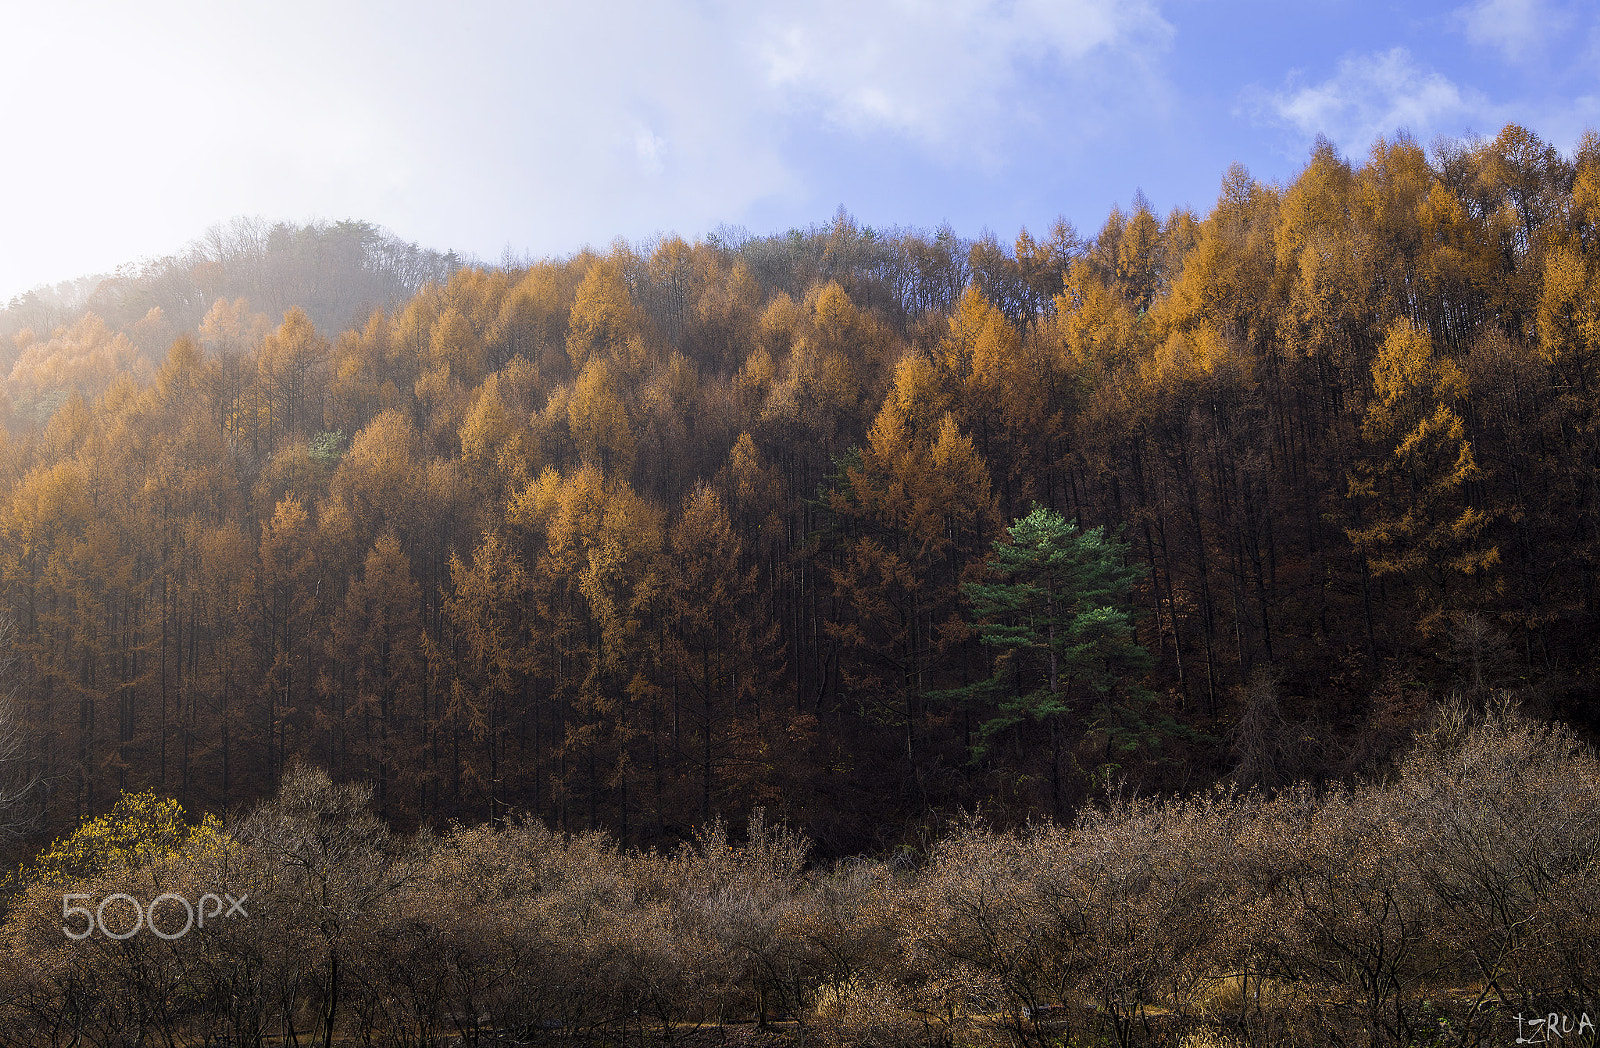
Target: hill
[(638, 538)]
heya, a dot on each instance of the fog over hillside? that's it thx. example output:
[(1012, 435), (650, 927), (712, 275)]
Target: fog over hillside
[(336, 271)]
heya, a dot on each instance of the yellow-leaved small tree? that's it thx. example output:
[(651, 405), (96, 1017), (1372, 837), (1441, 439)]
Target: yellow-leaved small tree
[(141, 829)]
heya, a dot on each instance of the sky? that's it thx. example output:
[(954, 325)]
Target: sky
[(539, 128)]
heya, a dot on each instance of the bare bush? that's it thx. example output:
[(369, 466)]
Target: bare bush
[(1507, 814), (1269, 749)]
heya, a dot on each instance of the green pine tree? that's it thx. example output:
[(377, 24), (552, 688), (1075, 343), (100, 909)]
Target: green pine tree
[(1058, 609)]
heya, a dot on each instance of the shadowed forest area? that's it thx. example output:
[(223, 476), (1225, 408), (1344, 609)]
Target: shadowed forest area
[(563, 572)]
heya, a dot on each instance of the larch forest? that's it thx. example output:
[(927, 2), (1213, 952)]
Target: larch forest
[(1179, 634)]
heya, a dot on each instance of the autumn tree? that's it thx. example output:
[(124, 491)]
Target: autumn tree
[(17, 785), (292, 366), (286, 587), (596, 584), (376, 715), (323, 864), (139, 829), (487, 611), (718, 653), (533, 319), (910, 508), (1426, 533), (603, 315), (599, 420)]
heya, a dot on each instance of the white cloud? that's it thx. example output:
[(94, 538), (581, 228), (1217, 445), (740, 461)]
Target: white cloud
[(649, 148), (954, 71), (133, 127), (1519, 29), (1376, 95)]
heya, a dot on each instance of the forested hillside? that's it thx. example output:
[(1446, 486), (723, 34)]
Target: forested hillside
[(65, 336), (639, 538)]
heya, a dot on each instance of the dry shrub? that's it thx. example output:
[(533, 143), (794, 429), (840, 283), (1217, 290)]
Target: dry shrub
[(837, 1001), (1468, 878), (1269, 749), (462, 951), (1154, 879), (98, 990), (868, 1011), (977, 941), (1234, 996), (850, 918), (537, 931), (742, 912), (1097, 925), (1345, 917), (1507, 810), (1209, 1038)]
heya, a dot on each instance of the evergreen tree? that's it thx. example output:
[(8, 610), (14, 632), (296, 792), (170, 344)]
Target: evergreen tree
[(1058, 607)]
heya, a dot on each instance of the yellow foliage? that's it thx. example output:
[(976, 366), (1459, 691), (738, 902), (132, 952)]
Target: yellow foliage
[(534, 316), (292, 367), (491, 442), (779, 324), (1569, 319), (454, 343), (837, 320), (1586, 203), (82, 357), (180, 379), (1138, 251), (980, 340), (933, 487), (230, 328), (140, 830), (1187, 355), (376, 475), (1097, 326), (1405, 375), (51, 502), (842, 332), (917, 395), (602, 313), (602, 544), (1424, 529), (476, 294), (756, 489), (756, 375), (818, 390), (599, 421)]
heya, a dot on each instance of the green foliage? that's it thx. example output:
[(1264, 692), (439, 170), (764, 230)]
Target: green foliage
[(328, 448), (1059, 610), (141, 829), (45, 407)]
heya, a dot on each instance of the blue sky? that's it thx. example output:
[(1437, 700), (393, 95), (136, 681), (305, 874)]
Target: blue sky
[(130, 128)]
